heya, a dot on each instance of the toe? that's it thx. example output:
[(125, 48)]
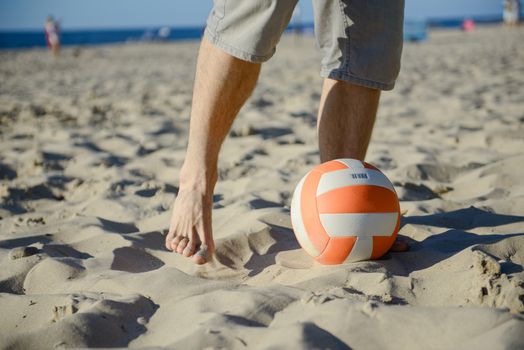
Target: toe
[(169, 238), (199, 259), (174, 242), (182, 245), (189, 249), (202, 256), (193, 245)]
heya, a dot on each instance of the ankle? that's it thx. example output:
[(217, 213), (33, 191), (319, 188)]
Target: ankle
[(200, 179)]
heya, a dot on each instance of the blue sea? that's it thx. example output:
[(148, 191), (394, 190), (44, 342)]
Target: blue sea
[(35, 38), (27, 39)]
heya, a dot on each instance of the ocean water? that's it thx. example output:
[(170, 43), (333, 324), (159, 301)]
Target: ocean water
[(36, 38), (456, 22), (27, 39)]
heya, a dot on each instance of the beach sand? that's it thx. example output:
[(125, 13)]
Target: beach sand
[(91, 147)]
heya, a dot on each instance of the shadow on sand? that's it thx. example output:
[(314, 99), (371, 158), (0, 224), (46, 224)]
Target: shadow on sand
[(422, 254)]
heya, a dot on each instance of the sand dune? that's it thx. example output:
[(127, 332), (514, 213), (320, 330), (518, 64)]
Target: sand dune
[(91, 149)]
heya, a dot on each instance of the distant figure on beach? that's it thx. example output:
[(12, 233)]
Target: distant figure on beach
[(361, 56), (468, 25), (52, 35), (164, 33), (511, 12)]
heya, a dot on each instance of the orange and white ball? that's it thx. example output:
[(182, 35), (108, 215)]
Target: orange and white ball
[(345, 210)]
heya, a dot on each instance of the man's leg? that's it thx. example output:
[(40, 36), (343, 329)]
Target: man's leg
[(345, 122), (222, 85), (345, 119)]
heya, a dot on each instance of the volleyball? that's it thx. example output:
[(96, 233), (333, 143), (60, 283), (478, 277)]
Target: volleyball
[(345, 210)]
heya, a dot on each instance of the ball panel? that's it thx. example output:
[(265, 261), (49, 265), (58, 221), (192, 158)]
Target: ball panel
[(337, 250), (381, 245), (314, 229), (297, 221), (352, 177), (332, 165), (369, 224), (358, 199), (362, 249), (351, 163)]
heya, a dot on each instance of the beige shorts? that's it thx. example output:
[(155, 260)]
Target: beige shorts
[(360, 40)]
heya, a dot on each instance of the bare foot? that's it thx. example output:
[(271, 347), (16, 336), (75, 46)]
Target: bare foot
[(399, 246), (190, 232)]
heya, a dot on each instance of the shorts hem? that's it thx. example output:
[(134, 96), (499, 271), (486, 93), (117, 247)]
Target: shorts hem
[(347, 77), (233, 51)]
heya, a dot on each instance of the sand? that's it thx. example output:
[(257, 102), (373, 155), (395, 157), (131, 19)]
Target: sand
[(91, 147)]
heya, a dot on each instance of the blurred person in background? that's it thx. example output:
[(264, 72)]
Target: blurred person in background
[(468, 25), (511, 12), (52, 35)]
